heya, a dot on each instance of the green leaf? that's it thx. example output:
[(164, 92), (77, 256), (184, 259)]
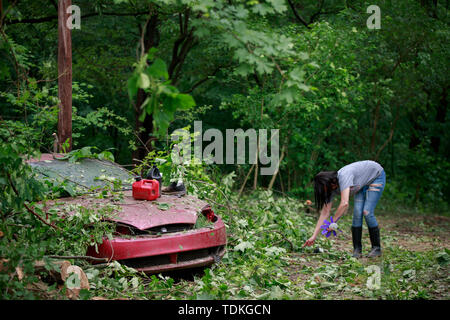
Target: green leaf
[(143, 81), (142, 116), (151, 104), (163, 206), (278, 5), (262, 9), (243, 69), (185, 101), (243, 245), (86, 152), (288, 95), (442, 257), (69, 190), (132, 86), (297, 74), (158, 69), (85, 294), (263, 66), (168, 89), (106, 155), (303, 55), (303, 87)]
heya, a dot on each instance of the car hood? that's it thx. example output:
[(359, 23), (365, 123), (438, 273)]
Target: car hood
[(143, 214)]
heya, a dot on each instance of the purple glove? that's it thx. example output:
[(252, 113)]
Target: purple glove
[(326, 225)]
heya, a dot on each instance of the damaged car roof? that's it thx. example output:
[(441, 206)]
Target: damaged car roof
[(86, 173)]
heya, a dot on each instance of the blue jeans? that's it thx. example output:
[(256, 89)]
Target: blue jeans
[(366, 200)]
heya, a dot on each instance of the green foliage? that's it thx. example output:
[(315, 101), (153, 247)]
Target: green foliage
[(164, 99), (196, 176), (75, 155), (31, 230), (251, 64)]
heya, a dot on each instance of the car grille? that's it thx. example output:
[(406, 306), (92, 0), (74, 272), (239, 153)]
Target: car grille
[(123, 229), (171, 228), (168, 258)]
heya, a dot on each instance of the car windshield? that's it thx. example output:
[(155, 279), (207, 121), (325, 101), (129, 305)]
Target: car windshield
[(84, 174)]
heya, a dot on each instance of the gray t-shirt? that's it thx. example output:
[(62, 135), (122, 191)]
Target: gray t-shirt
[(357, 175)]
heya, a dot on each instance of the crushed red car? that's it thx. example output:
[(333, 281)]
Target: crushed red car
[(151, 236)]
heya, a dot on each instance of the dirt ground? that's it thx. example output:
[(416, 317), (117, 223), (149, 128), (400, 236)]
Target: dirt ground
[(404, 233), (411, 232), (418, 233)]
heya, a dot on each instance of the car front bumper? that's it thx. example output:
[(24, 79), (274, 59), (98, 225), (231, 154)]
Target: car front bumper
[(166, 252)]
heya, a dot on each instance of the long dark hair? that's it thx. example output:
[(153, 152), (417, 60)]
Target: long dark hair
[(323, 188)]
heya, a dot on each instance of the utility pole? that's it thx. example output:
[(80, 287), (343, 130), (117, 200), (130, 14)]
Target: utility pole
[(64, 76)]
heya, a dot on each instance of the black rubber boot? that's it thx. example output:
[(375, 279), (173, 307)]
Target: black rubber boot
[(375, 240), (357, 245)]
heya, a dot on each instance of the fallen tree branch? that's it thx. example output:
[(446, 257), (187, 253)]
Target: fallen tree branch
[(229, 207), (285, 238), (272, 181), (28, 208), (245, 180), (224, 195), (78, 257)]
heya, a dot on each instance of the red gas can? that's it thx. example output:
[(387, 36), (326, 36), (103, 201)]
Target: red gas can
[(144, 189)]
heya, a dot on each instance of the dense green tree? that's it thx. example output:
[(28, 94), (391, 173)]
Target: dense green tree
[(338, 91)]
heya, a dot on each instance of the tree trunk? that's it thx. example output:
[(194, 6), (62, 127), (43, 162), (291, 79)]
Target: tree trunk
[(374, 130), (391, 135), (64, 77), (272, 180), (144, 130), (245, 180), (441, 113), (181, 46)]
